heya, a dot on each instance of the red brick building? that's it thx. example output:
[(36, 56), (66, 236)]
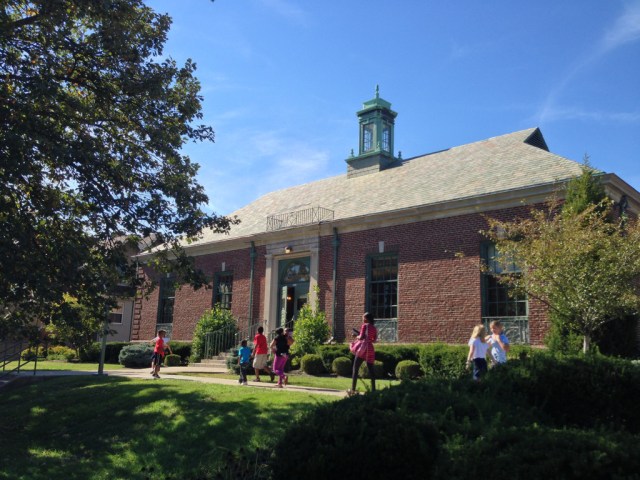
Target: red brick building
[(384, 238)]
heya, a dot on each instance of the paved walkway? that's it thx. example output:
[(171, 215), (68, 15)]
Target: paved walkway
[(183, 374)]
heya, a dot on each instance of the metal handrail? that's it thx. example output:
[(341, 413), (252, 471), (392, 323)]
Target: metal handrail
[(12, 352), (228, 338)]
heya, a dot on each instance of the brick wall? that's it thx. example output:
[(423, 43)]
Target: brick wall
[(439, 296)]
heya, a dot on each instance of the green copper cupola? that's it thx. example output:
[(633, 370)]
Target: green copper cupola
[(375, 147)]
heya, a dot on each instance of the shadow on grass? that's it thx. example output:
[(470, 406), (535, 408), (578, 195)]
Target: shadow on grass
[(106, 427)]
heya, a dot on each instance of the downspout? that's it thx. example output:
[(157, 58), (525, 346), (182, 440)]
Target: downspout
[(252, 256), (335, 243)]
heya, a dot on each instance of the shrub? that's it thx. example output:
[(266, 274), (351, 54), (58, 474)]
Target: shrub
[(356, 438), (136, 356), (390, 355), (311, 327), (342, 366), (183, 349), (112, 351), (311, 364), (213, 320), (378, 368), (408, 370), (172, 360), (30, 354), (90, 353), (60, 352), (330, 352), (438, 360), (574, 391)]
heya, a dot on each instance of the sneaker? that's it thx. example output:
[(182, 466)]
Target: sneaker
[(257, 379), (155, 375), (245, 384), (278, 385), (239, 380), (351, 393)]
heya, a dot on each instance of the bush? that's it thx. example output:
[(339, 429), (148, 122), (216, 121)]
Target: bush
[(30, 354), (136, 356), (342, 366), (543, 417), (356, 440), (438, 360), (330, 352), (311, 364), (311, 328), (390, 355), (378, 368), (183, 349), (172, 360), (90, 353), (408, 370), (575, 391), (60, 352), (213, 320)]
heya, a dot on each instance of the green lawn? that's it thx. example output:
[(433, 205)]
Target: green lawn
[(119, 428), (60, 365), (303, 380)]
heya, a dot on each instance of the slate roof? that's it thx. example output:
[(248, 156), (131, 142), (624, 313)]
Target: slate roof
[(508, 162)]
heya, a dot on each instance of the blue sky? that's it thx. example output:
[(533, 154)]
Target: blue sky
[(282, 80)]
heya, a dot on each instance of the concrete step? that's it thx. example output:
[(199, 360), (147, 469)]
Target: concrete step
[(211, 362)]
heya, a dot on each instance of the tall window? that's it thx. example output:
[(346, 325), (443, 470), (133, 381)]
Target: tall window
[(386, 138), (382, 288), (497, 302), (367, 137), (223, 289), (167, 300)]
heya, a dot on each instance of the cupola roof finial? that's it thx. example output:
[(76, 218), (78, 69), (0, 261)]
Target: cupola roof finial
[(377, 91)]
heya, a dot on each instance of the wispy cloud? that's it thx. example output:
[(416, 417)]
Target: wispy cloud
[(262, 162), (624, 30), (288, 10)]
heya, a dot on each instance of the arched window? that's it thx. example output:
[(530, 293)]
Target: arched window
[(296, 271)]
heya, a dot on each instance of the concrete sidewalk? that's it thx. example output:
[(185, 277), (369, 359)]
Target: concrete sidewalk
[(183, 374)]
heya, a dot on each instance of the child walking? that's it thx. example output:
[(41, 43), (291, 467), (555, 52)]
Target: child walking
[(478, 348), (498, 342), (158, 352), (244, 360)]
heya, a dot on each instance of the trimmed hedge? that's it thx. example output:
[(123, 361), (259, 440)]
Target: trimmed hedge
[(111, 353), (378, 368), (136, 356), (408, 370), (183, 349), (541, 417), (329, 353), (438, 360), (342, 366), (311, 364), (172, 360)]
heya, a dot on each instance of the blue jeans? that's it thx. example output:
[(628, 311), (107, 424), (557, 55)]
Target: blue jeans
[(479, 368)]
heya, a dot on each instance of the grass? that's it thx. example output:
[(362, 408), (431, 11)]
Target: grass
[(61, 365), (120, 428), (303, 380)]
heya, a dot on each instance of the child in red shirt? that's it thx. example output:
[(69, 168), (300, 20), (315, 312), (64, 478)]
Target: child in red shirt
[(158, 352)]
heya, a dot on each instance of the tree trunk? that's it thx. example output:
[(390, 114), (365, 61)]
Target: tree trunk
[(586, 343)]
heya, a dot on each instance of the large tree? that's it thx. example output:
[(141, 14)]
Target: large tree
[(92, 123), (583, 266)]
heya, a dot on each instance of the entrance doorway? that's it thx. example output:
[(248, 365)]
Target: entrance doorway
[(293, 288)]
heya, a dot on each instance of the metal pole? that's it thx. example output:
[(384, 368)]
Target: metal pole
[(103, 348), (336, 244)]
